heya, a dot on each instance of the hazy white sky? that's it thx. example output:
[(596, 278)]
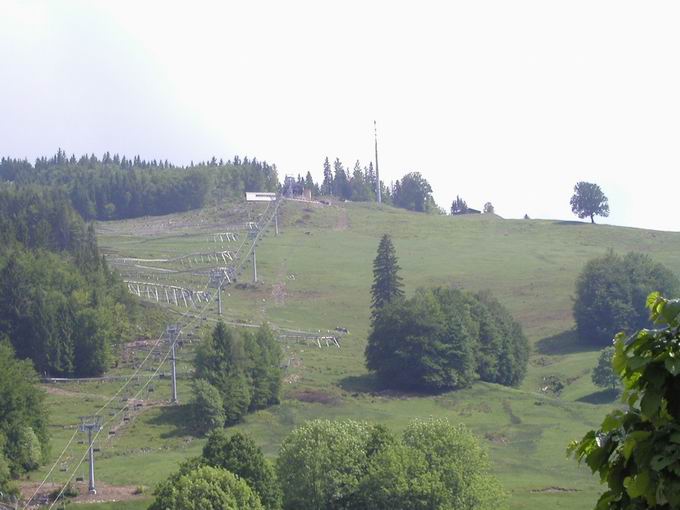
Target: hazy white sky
[(511, 102)]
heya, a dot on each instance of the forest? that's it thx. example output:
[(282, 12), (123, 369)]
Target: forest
[(60, 305), (115, 187)]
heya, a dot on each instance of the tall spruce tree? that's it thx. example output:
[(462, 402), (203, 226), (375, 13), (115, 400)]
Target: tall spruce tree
[(327, 185), (387, 284)]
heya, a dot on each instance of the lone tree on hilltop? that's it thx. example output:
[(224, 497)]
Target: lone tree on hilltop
[(588, 201), (488, 208), (459, 206), (387, 284)]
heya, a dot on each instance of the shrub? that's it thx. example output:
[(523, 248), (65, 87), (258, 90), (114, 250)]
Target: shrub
[(445, 339), (611, 293), (205, 488)]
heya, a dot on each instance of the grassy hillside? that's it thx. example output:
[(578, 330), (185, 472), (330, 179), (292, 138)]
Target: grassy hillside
[(316, 276)]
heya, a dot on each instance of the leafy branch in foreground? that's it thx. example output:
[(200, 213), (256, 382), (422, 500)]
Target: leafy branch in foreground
[(637, 451)]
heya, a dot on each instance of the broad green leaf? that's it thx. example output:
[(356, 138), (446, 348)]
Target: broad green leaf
[(661, 461), (612, 421), (650, 403), (619, 359), (640, 486), (652, 299), (628, 447), (670, 310), (672, 365)]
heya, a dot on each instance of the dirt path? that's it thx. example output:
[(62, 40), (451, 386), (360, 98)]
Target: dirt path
[(343, 221), (105, 493), (53, 390)]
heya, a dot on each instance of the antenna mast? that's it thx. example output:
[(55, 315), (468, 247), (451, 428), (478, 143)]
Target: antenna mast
[(377, 174)]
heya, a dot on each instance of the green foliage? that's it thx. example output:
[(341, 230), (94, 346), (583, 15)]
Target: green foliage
[(60, 306), (603, 374), (414, 193), (360, 186), (63, 320), (205, 488), (398, 478), (221, 360), (243, 368), (6, 485), (458, 463), (207, 406), (321, 463), (240, 455), (23, 417), (327, 185), (636, 451), (115, 188), (444, 339), (264, 352), (336, 465), (387, 285), (589, 201), (611, 293)]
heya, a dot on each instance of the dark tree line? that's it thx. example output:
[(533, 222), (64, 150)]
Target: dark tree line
[(360, 184), (236, 372), (114, 188), (60, 306), (411, 192)]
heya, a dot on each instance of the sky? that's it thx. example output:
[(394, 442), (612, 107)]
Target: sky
[(504, 102)]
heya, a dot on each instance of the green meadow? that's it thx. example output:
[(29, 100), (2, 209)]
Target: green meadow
[(316, 276)]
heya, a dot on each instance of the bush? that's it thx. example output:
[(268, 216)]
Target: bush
[(207, 407), (611, 293), (205, 488), (23, 420), (445, 339), (320, 464), (326, 465), (240, 455)]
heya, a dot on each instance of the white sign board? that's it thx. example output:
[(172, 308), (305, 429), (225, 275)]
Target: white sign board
[(260, 197)]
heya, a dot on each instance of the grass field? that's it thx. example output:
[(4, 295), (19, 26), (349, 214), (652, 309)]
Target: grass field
[(316, 276)]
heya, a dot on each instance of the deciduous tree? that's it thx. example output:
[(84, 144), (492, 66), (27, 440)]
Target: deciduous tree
[(23, 416), (413, 192), (603, 373), (611, 291), (205, 488), (239, 454), (444, 339), (589, 201), (207, 406)]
